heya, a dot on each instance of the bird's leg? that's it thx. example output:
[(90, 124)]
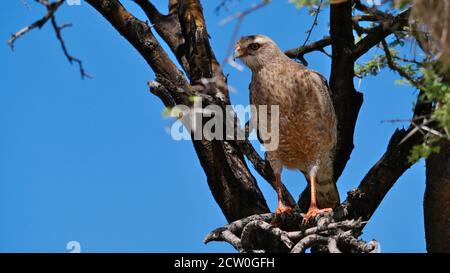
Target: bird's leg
[(281, 208), (313, 209)]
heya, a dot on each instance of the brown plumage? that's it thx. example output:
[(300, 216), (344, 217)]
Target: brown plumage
[(307, 122)]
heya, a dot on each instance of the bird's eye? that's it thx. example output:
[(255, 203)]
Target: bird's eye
[(254, 46)]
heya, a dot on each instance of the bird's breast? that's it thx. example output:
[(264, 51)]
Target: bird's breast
[(306, 130)]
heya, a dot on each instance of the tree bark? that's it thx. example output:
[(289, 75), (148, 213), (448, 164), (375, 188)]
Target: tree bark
[(229, 178), (437, 200)]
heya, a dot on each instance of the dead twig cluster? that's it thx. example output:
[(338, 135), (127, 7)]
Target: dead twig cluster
[(51, 7), (260, 233)]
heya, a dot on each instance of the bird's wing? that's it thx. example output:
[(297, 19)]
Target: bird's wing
[(251, 102), (325, 82)]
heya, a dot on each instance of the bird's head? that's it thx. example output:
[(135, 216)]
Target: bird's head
[(256, 50)]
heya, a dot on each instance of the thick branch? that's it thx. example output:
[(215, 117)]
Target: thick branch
[(363, 201), (168, 27), (229, 178), (201, 58), (347, 101), (139, 34), (162, 93), (436, 202)]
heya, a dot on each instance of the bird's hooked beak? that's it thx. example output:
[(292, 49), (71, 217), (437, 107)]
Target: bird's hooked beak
[(238, 52)]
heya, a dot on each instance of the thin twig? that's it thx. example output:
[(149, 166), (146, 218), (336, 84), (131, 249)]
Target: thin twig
[(395, 67), (313, 25), (69, 57), (51, 9), (25, 3)]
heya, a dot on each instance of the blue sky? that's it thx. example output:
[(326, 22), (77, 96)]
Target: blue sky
[(91, 161)]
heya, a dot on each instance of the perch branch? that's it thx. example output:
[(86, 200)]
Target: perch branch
[(259, 225), (309, 241), (291, 235)]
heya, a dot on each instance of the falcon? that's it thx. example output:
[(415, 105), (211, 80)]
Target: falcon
[(307, 121)]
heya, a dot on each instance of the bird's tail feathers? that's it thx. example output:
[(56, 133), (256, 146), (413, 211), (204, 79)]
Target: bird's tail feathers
[(327, 194)]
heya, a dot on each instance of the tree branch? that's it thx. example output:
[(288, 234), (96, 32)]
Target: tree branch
[(436, 206), (139, 34), (230, 180), (267, 233), (395, 67), (69, 57), (51, 9), (380, 32), (162, 93), (347, 101), (362, 202), (373, 11), (168, 27), (231, 183)]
